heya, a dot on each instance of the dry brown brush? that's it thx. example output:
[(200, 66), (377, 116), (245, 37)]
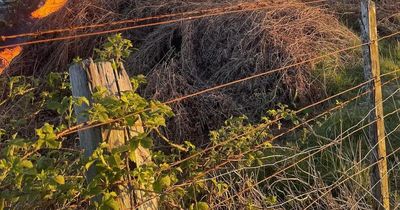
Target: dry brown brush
[(189, 56), (182, 58)]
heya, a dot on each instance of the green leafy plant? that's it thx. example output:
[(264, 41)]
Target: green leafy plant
[(44, 171), (41, 171), (115, 50)]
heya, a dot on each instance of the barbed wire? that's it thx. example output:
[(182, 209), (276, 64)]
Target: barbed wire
[(132, 27), (353, 88), (273, 121), (257, 147), (323, 148), (365, 157), (386, 174), (332, 186), (336, 184), (140, 26), (216, 87), (88, 125), (297, 162), (236, 8)]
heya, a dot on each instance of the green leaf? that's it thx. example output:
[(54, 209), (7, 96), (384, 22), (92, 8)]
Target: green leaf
[(64, 105), (267, 144), (146, 142), (18, 180), (113, 194), (137, 81), (59, 179), (53, 105), (164, 166), (26, 164), (77, 60), (98, 112), (132, 156), (190, 145), (165, 181), (94, 189), (3, 164), (39, 144), (46, 135), (162, 183), (81, 100), (110, 202), (54, 144), (130, 121), (88, 164), (155, 121), (134, 144), (44, 163), (120, 149), (199, 206)]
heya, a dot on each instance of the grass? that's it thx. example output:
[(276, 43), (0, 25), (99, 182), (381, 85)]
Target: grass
[(346, 160), (338, 78), (340, 159)]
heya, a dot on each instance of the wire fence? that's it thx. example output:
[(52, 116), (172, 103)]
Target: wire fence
[(190, 17), (243, 7), (222, 169), (312, 152)]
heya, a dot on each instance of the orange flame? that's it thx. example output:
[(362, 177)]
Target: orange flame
[(7, 55), (48, 8)]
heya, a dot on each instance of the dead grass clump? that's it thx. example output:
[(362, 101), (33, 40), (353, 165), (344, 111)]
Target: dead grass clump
[(189, 56), (41, 59), (182, 58)]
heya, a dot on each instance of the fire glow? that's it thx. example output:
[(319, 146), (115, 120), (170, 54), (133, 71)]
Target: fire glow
[(7, 55), (49, 7)]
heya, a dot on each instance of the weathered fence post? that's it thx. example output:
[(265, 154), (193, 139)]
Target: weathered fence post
[(379, 176), (85, 77)]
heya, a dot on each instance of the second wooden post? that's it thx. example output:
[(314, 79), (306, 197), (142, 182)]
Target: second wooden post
[(379, 174)]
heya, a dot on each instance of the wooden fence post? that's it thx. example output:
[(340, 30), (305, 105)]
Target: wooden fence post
[(85, 77), (379, 176)]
